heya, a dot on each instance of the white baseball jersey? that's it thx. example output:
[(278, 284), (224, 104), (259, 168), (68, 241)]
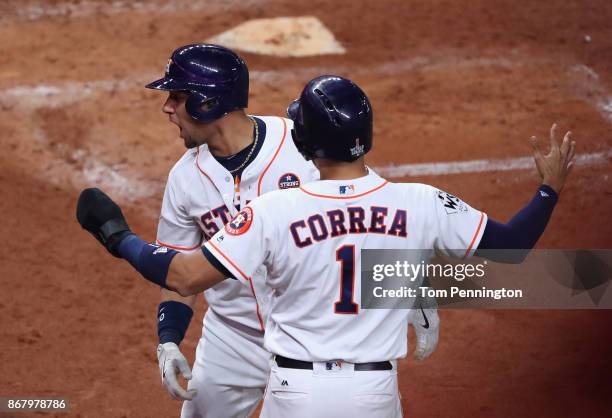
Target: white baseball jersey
[(310, 240), (201, 197)]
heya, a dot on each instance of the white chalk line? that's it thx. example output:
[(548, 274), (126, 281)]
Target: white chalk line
[(63, 170), (119, 179), (588, 88), (106, 176), (132, 188), (50, 95), (61, 94), (72, 91), (479, 166), (602, 100)]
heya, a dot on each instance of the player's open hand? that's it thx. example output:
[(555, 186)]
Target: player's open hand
[(102, 217), (555, 166), (171, 363)]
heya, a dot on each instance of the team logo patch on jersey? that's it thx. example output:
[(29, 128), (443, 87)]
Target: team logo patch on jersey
[(452, 204), (241, 222), (347, 189), (288, 181)]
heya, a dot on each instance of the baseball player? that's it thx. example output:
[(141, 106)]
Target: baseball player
[(231, 158), (331, 358)]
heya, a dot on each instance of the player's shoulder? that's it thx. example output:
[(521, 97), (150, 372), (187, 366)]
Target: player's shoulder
[(183, 168), (282, 200), (280, 195), (287, 158), (187, 159), (278, 129), (424, 196), (416, 193), (414, 188)]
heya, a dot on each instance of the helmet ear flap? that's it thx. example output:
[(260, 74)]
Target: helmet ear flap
[(301, 146), (202, 108), (293, 109)]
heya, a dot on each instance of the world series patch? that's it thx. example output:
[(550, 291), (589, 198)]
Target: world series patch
[(241, 222), (288, 181), (452, 204)]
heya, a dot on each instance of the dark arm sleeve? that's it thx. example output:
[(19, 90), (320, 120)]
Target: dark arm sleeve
[(216, 264), (523, 230)]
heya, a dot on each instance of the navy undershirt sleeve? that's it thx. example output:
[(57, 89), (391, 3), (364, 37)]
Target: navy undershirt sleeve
[(152, 261), (525, 228), (216, 264)]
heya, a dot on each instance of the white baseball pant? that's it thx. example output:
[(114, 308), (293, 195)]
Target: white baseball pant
[(230, 371), (337, 393)]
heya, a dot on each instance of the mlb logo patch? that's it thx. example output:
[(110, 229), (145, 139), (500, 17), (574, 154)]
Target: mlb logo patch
[(333, 365), (288, 181), (347, 190)]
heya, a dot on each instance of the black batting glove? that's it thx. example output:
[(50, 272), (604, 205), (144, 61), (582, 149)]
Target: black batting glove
[(98, 214)]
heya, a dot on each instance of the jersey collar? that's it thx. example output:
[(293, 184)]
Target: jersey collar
[(275, 133), (345, 189)]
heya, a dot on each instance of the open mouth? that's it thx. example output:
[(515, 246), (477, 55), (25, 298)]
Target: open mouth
[(177, 125)]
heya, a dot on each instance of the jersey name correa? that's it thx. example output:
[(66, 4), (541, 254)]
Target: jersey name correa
[(310, 240)]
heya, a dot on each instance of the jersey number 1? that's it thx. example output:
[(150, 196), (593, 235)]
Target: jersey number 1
[(346, 305)]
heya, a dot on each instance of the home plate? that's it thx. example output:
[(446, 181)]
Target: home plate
[(281, 36)]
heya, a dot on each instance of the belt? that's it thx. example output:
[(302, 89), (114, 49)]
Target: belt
[(289, 363)]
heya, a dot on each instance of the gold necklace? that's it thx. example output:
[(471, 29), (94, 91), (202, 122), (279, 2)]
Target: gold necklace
[(246, 160)]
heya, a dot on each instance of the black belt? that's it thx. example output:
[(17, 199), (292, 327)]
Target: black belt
[(289, 363)]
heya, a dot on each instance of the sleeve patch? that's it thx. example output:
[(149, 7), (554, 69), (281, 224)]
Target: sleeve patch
[(241, 222), (452, 204)]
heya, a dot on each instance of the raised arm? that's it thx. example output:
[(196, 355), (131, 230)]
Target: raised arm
[(186, 274), (527, 226)]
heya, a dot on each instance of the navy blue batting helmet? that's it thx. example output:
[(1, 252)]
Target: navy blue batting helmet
[(216, 79), (332, 119)]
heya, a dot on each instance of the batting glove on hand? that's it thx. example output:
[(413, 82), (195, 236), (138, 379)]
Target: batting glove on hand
[(171, 363), (426, 323), (98, 214)]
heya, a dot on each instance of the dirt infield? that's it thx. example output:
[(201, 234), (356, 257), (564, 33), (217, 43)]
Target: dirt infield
[(449, 81)]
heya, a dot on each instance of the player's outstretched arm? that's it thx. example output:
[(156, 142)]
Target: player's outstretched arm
[(525, 228), (187, 274), (191, 274)]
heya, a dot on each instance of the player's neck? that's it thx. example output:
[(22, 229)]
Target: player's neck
[(336, 170), (231, 134)]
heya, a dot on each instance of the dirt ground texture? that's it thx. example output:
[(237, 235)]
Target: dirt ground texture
[(449, 81)]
